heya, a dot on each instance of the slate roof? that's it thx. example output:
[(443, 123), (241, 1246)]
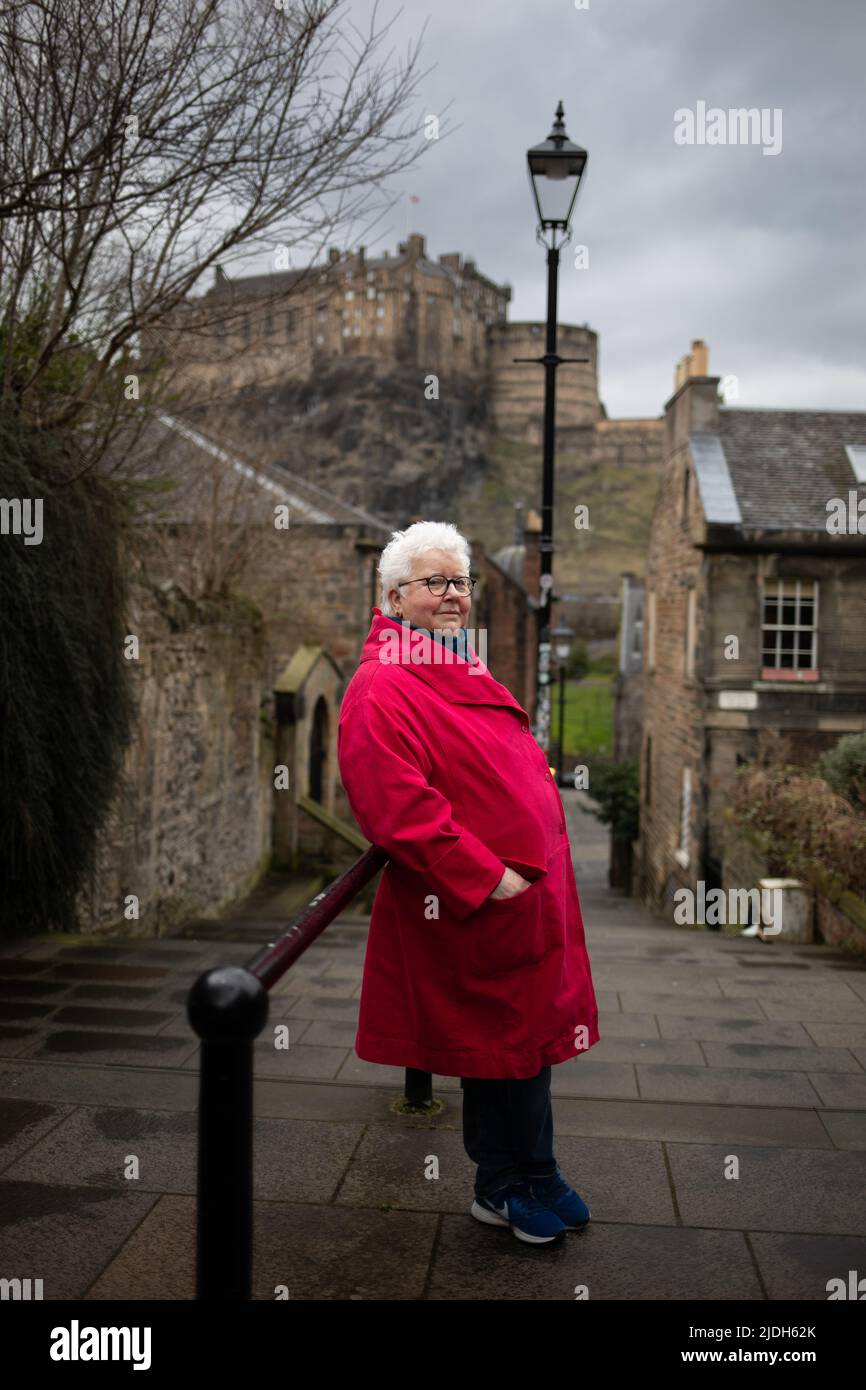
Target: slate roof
[(776, 470), (170, 448)]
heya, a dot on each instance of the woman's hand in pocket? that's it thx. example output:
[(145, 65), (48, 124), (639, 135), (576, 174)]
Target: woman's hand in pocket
[(509, 885)]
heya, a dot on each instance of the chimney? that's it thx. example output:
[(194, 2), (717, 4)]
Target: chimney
[(333, 256), (219, 276), (362, 265), (451, 261), (693, 364), (532, 553), (694, 406), (415, 246)]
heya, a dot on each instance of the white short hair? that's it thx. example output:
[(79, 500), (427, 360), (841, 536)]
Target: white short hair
[(395, 562)]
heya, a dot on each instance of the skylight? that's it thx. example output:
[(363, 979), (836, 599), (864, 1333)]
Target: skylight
[(857, 459)]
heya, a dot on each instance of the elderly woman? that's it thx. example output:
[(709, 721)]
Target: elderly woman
[(476, 964)]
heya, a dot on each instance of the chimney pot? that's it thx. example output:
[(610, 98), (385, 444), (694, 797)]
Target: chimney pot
[(699, 355)]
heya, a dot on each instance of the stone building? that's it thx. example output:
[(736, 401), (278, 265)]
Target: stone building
[(755, 610)]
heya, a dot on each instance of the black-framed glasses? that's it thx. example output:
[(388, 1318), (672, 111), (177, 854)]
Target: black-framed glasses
[(438, 584)]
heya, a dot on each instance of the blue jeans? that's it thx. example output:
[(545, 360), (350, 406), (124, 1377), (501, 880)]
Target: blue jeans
[(508, 1130)]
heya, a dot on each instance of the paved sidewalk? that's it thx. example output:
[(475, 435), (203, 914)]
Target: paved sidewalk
[(718, 1130)]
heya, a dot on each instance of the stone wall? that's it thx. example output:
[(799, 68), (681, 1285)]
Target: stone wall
[(190, 826)]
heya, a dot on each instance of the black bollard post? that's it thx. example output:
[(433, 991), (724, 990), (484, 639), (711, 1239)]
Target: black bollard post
[(418, 1087), (228, 1008)]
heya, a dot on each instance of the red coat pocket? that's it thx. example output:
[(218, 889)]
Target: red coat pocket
[(507, 933)]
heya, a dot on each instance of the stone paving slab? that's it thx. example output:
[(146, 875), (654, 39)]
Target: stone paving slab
[(302, 1159), (312, 1252), (82, 1083), (810, 1191), (726, 1085), (625, 1262), (118, 1049), (63, 1232)]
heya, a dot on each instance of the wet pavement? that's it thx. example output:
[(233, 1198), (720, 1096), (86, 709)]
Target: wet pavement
[(717, 1130)]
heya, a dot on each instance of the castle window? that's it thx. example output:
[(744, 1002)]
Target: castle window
[(290, 323), (350, 294), (269, 325), (371, 275), (371, 292), (245, 328), (380, 312), (347, 332), (379, 330)]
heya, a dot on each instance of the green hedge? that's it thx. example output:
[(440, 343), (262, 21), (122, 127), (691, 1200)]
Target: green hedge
[(65, 703)]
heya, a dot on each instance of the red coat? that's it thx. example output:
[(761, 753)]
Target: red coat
[(442, 771)]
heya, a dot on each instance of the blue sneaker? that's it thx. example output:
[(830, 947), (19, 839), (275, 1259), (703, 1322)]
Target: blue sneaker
[(555, 1194), (516, 1207)]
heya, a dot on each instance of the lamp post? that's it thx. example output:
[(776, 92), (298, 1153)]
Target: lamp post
[(562, 636), (555, 169)]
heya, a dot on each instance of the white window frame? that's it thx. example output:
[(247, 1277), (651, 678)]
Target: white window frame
[(691, 633), (779, 627)]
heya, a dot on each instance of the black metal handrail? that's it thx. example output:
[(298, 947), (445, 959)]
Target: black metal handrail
[(228, 1008)]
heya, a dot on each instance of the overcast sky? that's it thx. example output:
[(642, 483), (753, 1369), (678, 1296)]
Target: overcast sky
[(760, 255)]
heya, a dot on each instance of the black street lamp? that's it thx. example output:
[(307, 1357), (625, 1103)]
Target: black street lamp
[(556, 168)]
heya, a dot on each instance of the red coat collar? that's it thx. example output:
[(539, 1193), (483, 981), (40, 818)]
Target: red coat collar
[(450, 675)]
